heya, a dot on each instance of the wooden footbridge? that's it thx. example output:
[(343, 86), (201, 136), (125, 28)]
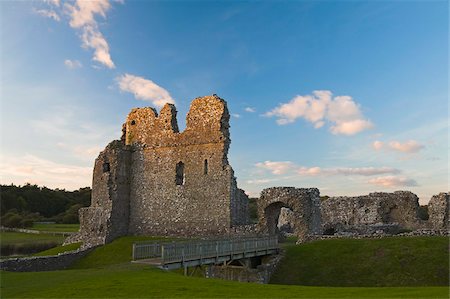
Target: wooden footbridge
[(203, 252)]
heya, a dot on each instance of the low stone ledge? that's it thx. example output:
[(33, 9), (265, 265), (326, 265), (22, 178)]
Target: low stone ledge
[(43, 263), (376, 235)]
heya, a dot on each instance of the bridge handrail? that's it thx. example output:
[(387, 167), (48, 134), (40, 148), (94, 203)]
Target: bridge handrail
[(185, 251)]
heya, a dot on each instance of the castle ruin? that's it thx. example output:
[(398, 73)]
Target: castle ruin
[(159, 181)]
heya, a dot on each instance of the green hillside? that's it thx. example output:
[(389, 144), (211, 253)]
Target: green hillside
[(414, 261)]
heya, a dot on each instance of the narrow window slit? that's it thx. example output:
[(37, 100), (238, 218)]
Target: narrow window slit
[(205, 167), (179, 178)]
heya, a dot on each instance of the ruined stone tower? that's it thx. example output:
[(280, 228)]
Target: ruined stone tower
[(159, 181)]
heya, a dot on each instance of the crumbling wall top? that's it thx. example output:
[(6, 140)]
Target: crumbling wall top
[(207, 122)]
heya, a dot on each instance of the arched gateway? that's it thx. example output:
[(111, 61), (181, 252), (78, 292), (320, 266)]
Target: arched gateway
[(304, 203)]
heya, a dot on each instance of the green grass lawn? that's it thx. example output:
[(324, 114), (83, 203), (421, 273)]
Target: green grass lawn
[(13, 238), (55, 227), (59, 249), (138, 281), (414, 261), (107, 273), (18, 244)]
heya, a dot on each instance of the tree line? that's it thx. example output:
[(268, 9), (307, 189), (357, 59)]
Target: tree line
[(23, 205)]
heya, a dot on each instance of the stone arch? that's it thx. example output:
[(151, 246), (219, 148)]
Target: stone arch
[(304, 203), (272, 216)]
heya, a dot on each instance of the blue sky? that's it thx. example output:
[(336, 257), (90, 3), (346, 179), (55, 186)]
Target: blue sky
[(347, 96)]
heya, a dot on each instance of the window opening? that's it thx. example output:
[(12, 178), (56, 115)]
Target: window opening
[(205, 167), (106, 167), (179, 178)]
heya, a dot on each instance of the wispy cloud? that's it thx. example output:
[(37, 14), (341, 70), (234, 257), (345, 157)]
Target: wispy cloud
[(72, 64), (235, 115), (250, 109), (82, 16), (144, 89), (341, 112), (36, 170), (393, 181), (48, 13), (276, 167), (279, 168), (377, 145), (72, 135), (410, 146)]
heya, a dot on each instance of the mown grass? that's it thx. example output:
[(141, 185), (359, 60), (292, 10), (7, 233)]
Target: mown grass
[(107, 273), (55, 227), (117, 252), (59, 249), (138, 281), (13, 238), (415, 261)]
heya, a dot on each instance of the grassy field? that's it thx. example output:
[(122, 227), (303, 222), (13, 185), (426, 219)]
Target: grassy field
[(107, 273), (54, 227), (418, 261), (13, 238), (13, 243), (59, 249)]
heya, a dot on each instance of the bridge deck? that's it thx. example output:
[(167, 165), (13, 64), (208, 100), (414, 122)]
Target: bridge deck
[(195, 253)]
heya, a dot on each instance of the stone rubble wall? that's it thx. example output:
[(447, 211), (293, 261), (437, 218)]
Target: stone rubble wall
[(304, 203), (376, 235), (261, 274), (355, 213), (438, 209), (43, 263)]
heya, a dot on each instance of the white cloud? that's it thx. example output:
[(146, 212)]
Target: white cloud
[(82, 16), (283, 167), (144, 89), (410, 146), (250, 109), (36, 170), (259, 181), (309, 171), (53, 2), (351, 127), (393, 181), (377, 145), (72, 64), (235, 115), (365, 171), (48, 13), (276, 167), (341, 112), (83, 12)]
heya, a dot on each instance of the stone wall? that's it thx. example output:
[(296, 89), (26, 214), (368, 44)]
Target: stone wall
[(159, 181), (438, 209), (304, 203), (43, 263), (259, 274), (362, 212)]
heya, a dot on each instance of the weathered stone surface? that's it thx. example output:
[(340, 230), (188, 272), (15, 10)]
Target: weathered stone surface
[(159, 181), (305, 206), (438, 209), (43, 263), (370, 212), (285, 220)]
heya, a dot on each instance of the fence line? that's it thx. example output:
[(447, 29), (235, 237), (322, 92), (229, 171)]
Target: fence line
[(195, 250)]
